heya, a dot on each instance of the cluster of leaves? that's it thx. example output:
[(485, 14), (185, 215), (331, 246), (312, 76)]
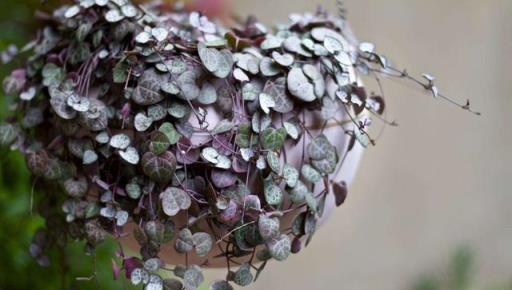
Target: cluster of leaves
[(112, 110)]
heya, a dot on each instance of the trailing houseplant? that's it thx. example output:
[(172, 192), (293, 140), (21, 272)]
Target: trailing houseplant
[(196, 144)]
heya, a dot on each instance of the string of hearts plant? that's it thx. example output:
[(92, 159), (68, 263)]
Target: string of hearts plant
[(113, 112)]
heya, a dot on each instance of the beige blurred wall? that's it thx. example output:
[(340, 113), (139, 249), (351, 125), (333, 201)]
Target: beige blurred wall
[(443, 177)]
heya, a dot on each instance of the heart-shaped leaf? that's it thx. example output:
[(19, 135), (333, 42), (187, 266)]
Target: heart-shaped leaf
[(268, 227), (283, 59), (300, 86), (8, 133), (223, 178), (174, 200), (221, 285), (319, 148), (273, 194), (172, 135), (184, 242), (159, 142), (120, 141), (277, 89), (274, 162), (130, 155), (291, 175), (266, 102), (340, 192), (142, 122), (310, 173), (222, 127), (147, 91), (89, 157), (208, 94), (243, 276), (203, 243), (280, 247), (273, 139), (299, 192), (76, 187), (193, 277), (268, 67), (159, 168)]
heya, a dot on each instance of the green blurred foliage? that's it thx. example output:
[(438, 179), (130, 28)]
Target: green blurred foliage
[(458, 275)]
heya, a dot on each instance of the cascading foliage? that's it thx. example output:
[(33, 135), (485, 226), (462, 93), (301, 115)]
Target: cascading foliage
[(112, 111)]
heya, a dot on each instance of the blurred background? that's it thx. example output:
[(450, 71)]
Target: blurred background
[(431, 207)]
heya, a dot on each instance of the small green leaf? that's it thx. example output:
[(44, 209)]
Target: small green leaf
[(274, 162), (52, 75), (327, 165), (299, 192), (273, 194), (243, 276), (268, 227), (159, 33), (280, 248), (157, 112), (147, 91), (193, 278), (58, 101), (310, 173), (273, 139), (184, 242), (291, 175), (220, 285), (178, 110), (120, 73), (222, 127), (172, 135), (159, 142), (8, 134), (319, 148), (159, 168), (203, 243)]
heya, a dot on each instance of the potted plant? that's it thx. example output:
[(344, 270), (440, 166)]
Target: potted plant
[(196, 145)]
